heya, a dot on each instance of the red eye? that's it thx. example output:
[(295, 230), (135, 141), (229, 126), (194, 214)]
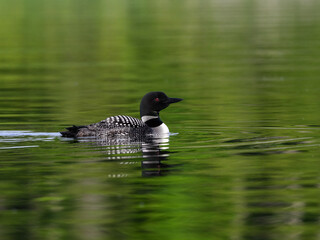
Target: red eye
[(157, 99)]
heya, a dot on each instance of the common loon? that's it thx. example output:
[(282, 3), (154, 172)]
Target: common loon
[(116, 126)]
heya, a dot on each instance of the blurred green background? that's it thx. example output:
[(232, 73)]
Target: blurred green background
[(88, 59), (245, 164)]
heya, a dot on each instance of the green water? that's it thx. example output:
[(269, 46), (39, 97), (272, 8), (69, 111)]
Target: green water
[(245, 161)]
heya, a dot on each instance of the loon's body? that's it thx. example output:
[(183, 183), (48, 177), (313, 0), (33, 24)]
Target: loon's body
[(116, 126)]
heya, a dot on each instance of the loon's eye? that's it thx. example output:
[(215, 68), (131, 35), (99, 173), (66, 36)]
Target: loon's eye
[(157, 99)]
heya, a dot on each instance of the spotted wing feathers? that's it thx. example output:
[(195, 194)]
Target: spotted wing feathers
[(110, 127), (123, 121)]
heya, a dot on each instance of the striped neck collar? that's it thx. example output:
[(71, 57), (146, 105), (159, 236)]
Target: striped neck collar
[(151, 121)]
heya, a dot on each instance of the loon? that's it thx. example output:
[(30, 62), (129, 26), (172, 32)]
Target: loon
[(150, 124)]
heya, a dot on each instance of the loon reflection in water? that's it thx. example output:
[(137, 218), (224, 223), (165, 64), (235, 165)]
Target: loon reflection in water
[(155, 151)]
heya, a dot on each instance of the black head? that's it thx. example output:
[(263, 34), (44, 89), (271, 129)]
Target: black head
[(153, 102)]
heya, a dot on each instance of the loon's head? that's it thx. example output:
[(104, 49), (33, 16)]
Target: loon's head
[(153, 102)]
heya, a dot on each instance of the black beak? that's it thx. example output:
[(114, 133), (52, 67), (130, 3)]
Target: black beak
[(174, 100)]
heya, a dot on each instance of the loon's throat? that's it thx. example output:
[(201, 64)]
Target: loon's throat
[(152, 121)]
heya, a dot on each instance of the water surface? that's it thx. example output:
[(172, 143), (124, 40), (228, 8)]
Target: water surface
[(244, 160)]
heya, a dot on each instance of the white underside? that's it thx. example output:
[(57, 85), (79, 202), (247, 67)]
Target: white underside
[(161, 130)]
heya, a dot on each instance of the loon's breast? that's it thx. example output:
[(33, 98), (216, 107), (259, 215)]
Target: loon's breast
[(161, 130)]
